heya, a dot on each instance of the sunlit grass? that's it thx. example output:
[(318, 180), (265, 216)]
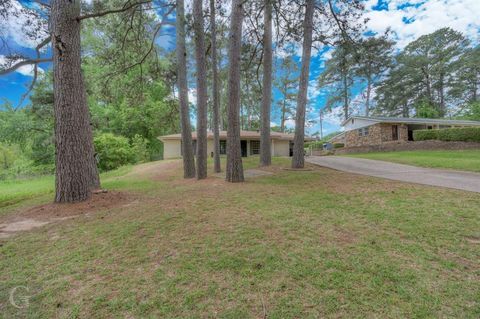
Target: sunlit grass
[(309, 244), (468, 160)]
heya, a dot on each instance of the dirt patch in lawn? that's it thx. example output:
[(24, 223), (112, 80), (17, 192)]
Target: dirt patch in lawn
[(38, 216), (158, 170), (100, 201)]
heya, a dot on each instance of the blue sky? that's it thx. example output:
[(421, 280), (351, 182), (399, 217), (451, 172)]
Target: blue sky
[(408, 19)]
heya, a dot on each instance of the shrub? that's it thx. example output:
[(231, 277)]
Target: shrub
[(463, 134), (314, 144), (338, 145), (113, 151), (140, 149), (425, 135)]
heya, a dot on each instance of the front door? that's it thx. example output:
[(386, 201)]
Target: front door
[(394, 132), (243, 145)]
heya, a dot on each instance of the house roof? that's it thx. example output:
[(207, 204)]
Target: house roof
[(382, 119), (243, 134)]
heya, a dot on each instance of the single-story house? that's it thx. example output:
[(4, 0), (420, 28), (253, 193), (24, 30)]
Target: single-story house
[(282, 143), (362, 130)]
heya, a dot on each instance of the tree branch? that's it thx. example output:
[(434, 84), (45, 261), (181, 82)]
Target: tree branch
[(23, 63), (103, 13), (151, 48), (35, 71)]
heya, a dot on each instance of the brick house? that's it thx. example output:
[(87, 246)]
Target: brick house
[(363, 131)]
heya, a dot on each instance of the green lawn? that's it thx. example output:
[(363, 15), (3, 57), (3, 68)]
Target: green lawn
[(14, 192), (467, 160), (306, 244)]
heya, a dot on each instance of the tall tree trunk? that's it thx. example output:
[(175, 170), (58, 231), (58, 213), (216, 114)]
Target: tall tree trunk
[(282, 120), (186, 130), (265, 147), (298, 160), (441, 94), (428, 85), (405, 110), (345, 94), (216, 93), (201, 90), (369, 91), (234, 154), (76, 171)]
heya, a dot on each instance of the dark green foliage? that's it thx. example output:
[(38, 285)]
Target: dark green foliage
[(472, 112), (338, 145), (463, 134), (425, 109), (425, 135), (432, 74), (113, 151)]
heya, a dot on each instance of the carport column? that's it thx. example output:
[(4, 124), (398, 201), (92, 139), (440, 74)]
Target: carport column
[(272, 147)]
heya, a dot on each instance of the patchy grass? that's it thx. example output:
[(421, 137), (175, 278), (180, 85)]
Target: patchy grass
[(467, 160), (306, 244), (41, 189)]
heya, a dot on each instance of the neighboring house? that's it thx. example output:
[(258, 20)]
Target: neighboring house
[(282, 143), (361, 130)]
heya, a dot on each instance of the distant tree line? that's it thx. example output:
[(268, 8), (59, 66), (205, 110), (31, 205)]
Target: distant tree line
[(437, 75)]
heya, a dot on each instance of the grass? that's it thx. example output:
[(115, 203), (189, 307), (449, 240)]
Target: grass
[(16, 191), (305, 244), (467, 160)]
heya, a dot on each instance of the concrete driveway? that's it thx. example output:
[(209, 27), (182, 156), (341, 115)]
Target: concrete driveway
[(428, 176)]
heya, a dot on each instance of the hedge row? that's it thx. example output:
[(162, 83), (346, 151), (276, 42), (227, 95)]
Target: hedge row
[(464, 134)]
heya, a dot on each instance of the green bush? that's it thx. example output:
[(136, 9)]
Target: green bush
[(314, 144), (463, 134), (425, 135), (338, 145), (113, 151), (140, 149)]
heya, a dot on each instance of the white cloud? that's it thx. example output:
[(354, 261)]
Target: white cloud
[(22, 26), (290, 123), (334, 117), (426, 17)]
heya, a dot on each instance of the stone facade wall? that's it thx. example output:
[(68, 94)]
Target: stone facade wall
[(377, 134), (374, 137)]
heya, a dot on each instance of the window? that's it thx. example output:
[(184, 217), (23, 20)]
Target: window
[(254, 147), (395, 132), (223, 147), (363, 131)]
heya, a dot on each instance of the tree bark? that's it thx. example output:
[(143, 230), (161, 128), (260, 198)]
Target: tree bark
[(298, 160), (234, 155), (369, 90), (76, 172), (185, 127), (441, 93), (216, 94), (265, 142), (345, 94), (201, 90), (284, 110)]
